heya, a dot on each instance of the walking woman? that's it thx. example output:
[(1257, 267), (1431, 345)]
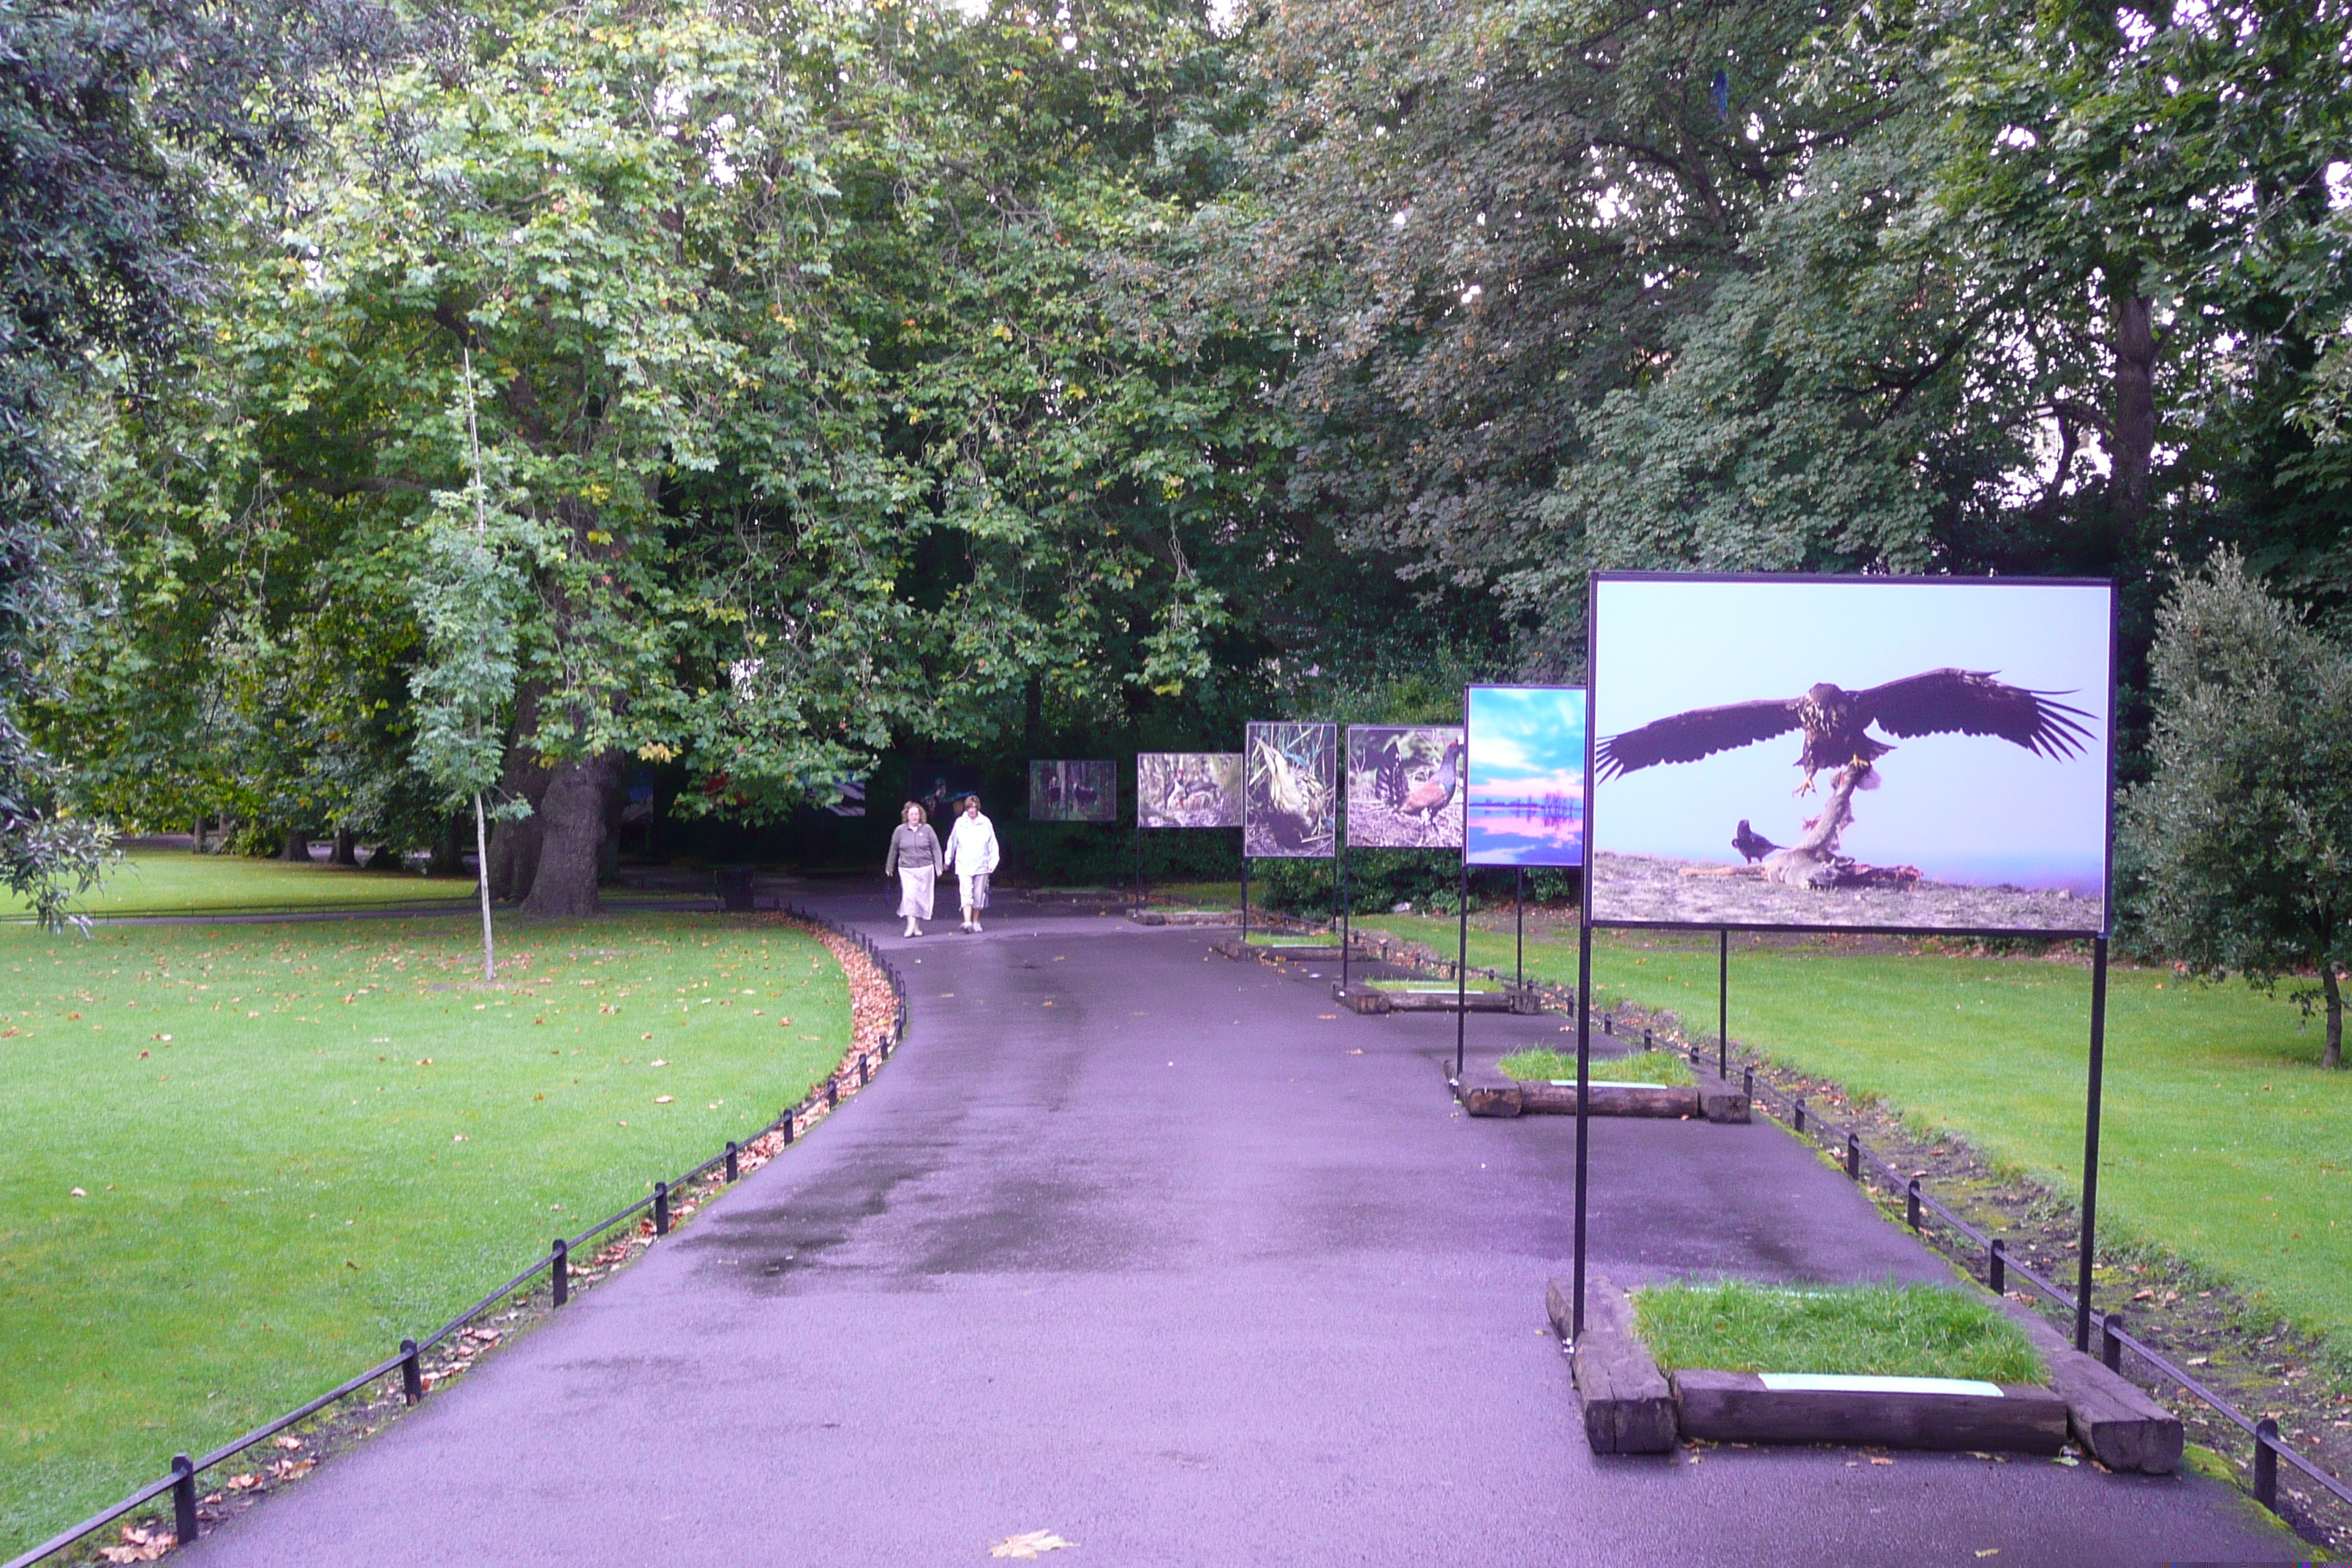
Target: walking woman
[(971, 855), (916, 859)]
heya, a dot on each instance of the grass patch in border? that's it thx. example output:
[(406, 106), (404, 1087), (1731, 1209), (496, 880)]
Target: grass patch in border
[(1536, 1065), (1436, 987), (1865, 1330)]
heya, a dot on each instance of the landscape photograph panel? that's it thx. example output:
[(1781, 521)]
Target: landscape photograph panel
[(1188, 789), (1291, 790), (1073, 792), (1404, 786), (1866, 753), (1525, 775)]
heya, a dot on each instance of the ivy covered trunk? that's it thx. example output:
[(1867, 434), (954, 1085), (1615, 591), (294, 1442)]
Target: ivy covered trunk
[(571, 817)]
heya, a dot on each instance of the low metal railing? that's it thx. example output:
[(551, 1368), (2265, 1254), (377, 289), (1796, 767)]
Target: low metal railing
[(2268, 1450), (408, 1360)]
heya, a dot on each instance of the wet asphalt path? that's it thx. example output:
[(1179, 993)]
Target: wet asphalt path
[(1174, 1257)]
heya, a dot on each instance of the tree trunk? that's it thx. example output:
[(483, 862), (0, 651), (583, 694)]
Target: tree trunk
[(295, 846), (515, 846), (347, 848), (449, 849), (572, 814), (2332, 1055), (2132, 444), (200, 833)]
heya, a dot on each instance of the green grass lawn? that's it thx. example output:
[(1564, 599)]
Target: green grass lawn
[(1559, 1066), (2222, 1140), (1872, 1331), (175, 882), (299, 1143)]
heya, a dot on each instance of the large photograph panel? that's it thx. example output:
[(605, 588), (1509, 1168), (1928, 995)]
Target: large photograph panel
[(1859, 754), (1404, 786), (1292, 790), (1188, 789), (1526, 776), (1073, 792)]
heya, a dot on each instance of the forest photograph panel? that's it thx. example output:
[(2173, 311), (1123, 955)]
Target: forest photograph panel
[(1073, 792), (1526, 776), (1188, 789), (1866, 754), (1292, 783), (1404, 786)]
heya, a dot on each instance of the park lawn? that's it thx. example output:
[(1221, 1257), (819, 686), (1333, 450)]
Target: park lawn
[(299, 1143), (177, 882), (2221, 1140), (1869, 1331)]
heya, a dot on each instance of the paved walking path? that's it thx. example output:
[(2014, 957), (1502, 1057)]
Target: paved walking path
[(1132, 1245)]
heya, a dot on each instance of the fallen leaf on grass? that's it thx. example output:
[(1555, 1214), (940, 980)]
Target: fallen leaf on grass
[(2199, 1361), (139, 1545), (2143, 1295), (1030, 1546), (78, 1193), (292, 1469), (658, 1062), (243, 1483), (663, 1098), (283, 1441)]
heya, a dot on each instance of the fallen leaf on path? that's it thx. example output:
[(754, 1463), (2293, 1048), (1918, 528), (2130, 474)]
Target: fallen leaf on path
[(1989, 1552), (1028, 1546), (243, 1483), (1876, 1460)]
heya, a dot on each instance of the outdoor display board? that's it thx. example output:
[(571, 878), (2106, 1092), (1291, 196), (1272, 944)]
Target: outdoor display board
[(1188, 789), (1855, 753), (1524, 785), (1404, 786), (1073, 792), (1290, 785)]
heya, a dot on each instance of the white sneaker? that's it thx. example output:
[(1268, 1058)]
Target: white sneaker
[(975, 928)]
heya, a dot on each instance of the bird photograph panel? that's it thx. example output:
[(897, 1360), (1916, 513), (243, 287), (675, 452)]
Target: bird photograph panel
[(1292, 790), (1073, 792), (1404, 786), (1526, 776), (1870, 753), (1188, 789)]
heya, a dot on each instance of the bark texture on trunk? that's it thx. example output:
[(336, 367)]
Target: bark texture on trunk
[(572, 814), (515, 846), (296, 845), (2133, 442), (347, 848)]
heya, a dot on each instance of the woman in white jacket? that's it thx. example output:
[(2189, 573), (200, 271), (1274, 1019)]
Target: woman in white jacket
[(973, 855)]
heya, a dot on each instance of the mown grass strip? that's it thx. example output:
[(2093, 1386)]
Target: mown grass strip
[(1872, 1331)]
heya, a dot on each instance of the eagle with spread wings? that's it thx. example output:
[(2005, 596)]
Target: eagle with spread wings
[(1836, 724)]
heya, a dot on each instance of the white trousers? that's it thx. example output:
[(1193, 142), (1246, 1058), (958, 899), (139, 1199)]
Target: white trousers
[(915, 891), (974, 890)]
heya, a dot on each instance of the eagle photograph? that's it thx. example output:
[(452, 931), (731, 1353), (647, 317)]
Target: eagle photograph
[(1866, 754)]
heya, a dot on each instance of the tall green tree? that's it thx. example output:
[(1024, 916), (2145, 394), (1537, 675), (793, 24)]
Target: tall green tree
[(2240, 840)]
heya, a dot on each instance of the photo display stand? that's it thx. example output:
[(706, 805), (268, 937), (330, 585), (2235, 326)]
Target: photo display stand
[(1952, 748), (1290, 795), (1525, 769), (1188, 789), (1403, 788)]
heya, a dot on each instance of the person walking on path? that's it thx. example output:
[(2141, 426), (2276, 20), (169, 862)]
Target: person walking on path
[(972, 852), (916, 857)]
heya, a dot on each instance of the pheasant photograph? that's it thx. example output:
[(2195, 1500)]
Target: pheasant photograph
[(1865, 754), (1404, 786)]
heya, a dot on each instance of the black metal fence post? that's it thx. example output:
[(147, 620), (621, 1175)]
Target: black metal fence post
[(559, 1270), (1798, 1120), (661, 1208), (2266, 1464), (1747, 1082), (833, 1093), (1997, 1266), (2111, 1347), (791, 1125), (732, 1171), (1911, 1203), (865, 1070), (184, 1498), (1852, 1157), (412, 1372)]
